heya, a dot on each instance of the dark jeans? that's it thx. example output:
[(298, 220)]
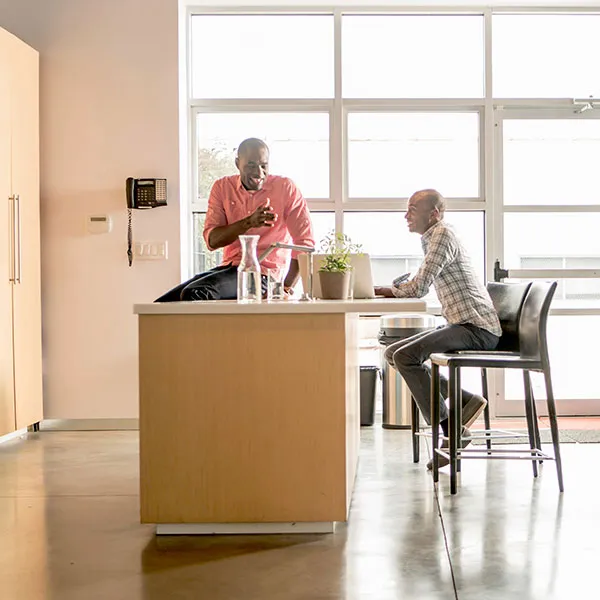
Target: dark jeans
[(219, 283), (409, 357)]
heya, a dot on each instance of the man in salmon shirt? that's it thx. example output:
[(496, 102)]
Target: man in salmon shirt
[(253, 203)]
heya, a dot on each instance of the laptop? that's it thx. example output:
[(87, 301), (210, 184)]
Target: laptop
[(363, 275)]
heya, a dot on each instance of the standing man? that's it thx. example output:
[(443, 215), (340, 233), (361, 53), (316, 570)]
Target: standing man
[(472, 322), (252, 203)]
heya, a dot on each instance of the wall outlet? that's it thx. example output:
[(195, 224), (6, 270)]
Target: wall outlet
[(150, 250)]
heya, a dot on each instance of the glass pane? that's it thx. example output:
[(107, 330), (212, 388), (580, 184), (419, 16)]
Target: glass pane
[(262, 56), (299, 145), (203, 259), (569, 338), (576, 292), (394, 250), (545, 56), (392, 155), (412, 56), (551, 161), (323, 223), (565, 241)]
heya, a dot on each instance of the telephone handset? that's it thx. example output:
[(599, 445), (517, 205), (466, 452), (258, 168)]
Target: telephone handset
[(142, 194), (146, 193)]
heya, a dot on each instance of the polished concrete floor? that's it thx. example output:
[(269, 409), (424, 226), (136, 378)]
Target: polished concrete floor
[(69, 530)]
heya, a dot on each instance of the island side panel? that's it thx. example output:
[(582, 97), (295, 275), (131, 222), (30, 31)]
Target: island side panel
[(243, 418), (352, 403)]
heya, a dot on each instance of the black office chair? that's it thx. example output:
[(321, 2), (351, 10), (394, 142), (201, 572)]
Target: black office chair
[(532, 356), (508, 301)]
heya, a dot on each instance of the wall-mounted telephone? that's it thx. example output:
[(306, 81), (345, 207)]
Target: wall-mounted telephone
[(141, 194), (146, 193)]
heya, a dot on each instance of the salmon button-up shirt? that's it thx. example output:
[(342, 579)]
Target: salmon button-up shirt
[(230, 201)]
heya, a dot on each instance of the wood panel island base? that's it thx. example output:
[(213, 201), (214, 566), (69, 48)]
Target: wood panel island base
[(249, 414)]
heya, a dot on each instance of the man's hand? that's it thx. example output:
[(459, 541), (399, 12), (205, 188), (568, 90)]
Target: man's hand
[(263, 216), (222, 236), (384, 291)]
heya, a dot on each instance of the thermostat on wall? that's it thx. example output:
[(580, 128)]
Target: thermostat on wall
[(99, 224)]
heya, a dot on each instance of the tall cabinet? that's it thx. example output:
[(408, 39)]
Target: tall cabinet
[(21, 402)]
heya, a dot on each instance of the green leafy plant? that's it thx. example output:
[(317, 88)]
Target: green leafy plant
[(337, 248)]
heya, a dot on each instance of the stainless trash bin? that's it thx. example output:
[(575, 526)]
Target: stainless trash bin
[(396, 395)]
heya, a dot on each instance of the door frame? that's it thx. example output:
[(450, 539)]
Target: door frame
[(565, 406)]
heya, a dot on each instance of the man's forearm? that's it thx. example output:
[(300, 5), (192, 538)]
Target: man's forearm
[(385, 291), (222, 236), (292, 275)]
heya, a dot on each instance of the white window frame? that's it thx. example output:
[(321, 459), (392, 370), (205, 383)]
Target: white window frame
[(514, 110), (492, 112), (338, 110)]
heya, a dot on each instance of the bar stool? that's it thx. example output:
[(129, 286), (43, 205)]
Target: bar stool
[(532, 356), (508, 301)]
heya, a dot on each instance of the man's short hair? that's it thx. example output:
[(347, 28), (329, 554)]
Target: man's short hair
[(249, 143), (434, 199)]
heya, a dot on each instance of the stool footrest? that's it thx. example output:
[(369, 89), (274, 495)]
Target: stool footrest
[(497, 453)]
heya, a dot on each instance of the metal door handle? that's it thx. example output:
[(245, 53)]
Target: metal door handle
[(11, 238), (17, 271)]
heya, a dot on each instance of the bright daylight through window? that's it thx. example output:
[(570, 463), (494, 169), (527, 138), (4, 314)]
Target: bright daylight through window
[(366, 113)]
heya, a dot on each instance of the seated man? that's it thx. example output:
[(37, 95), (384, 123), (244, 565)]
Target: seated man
[(472, 322), (252, 202)]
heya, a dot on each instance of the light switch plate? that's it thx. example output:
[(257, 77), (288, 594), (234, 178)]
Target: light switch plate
[(150, 250)]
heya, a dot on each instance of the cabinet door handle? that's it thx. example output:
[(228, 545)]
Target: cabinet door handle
[(11, 239), (17, 238)]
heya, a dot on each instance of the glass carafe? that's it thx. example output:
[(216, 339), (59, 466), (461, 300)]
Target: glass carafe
[(249, 285)]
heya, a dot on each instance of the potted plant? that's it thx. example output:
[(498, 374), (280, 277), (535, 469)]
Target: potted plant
[(335, 270)]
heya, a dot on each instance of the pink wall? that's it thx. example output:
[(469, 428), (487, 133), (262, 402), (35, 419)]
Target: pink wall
[(109, 109)]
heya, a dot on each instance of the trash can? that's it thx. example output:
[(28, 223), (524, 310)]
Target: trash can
[(368, 387), (396, 396)]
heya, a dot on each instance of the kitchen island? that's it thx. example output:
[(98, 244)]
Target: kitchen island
[(250, 413)]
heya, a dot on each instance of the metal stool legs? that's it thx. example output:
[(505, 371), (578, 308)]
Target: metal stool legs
[(414, 428), (554, 428), (435, 419)]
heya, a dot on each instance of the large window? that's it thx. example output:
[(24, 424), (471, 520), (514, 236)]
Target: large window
[(348, 156), (363, 107)]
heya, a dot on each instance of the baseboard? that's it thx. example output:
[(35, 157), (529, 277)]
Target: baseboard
[(13, 435), (89, 425), (244, 528)]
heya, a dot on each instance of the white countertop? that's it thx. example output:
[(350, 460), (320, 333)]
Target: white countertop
[(232, 307)]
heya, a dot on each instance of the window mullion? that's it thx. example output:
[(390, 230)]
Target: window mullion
[(338, 154)]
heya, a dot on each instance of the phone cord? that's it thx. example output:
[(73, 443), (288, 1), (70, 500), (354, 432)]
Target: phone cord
[(129, 236)]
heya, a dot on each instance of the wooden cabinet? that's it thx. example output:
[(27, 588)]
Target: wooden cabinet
[(20, 283)]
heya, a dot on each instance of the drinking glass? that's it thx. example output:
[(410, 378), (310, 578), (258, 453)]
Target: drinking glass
[(275, 287)]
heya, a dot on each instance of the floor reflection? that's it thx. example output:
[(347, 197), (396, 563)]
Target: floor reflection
[(24, 534), (69, 525)]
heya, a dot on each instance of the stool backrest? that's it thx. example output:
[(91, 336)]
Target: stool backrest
[(534, 319), (508, 301)]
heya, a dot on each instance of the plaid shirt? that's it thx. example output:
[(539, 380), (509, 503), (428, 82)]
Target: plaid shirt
[(446, 265)]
